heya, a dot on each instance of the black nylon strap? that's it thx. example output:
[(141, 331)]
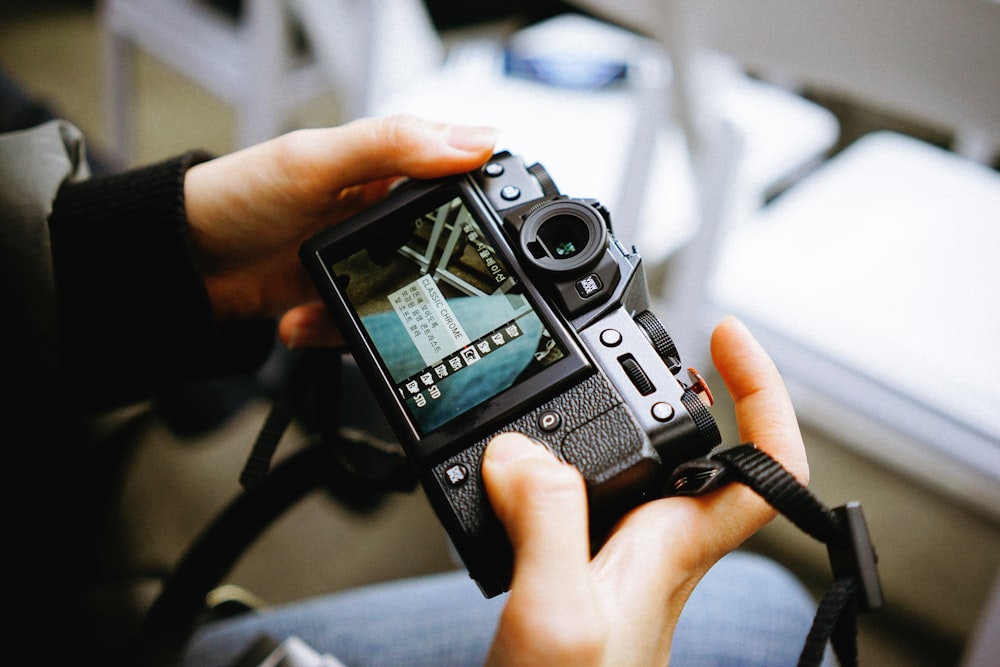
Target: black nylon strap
[(258, 464), (297, 375), (781, 490), (835, 622), (174, 615), (855, 587)]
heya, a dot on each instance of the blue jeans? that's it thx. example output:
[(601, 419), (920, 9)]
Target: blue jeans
[(746, 611)]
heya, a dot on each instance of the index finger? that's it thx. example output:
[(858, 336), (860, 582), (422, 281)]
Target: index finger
[(719, 522), (371, 149), (763, 408)]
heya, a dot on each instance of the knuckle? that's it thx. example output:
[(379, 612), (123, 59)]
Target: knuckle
[(287, 150), (395, 130)]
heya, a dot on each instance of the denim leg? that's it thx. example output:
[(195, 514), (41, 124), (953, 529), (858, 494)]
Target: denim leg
[(439, 620), (747, 611)]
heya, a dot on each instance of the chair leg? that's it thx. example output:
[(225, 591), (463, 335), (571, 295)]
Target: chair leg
[(260, 116), (984, 645), (118, 60)]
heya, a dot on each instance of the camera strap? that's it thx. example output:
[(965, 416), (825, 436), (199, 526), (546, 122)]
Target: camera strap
[(855, 587), (269, 492)]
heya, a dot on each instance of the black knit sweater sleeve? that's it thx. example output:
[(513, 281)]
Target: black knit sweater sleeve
[(134, 315)]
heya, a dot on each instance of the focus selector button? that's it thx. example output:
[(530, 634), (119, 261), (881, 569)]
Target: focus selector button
[(637, 375)]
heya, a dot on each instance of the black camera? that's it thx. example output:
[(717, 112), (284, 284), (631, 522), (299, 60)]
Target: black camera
[(489, 302)]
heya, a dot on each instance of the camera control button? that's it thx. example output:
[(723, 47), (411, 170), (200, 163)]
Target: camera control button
[(662, 412), (611, 337), (660, 339), (510, 192), (637, 375), (456, 475), (493, 169), (589, 286), (549, 421)]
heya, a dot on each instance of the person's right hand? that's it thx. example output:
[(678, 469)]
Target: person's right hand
[(620, 608)]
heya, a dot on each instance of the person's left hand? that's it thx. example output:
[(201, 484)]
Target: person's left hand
[(251, 210)]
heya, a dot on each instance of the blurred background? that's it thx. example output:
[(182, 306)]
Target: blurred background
[(826, 170)]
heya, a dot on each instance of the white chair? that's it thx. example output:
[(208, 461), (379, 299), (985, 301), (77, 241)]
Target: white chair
[(385, 56), (874, 277), (873, 281), (596, 142), (782, 135), (250, 63)]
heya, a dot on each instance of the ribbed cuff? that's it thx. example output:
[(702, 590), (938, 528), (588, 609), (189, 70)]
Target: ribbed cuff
[(134, 315)]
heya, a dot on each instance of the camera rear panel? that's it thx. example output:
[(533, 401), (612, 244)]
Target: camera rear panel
[(489, 302)]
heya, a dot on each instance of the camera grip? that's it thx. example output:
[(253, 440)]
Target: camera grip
[(589, 426)]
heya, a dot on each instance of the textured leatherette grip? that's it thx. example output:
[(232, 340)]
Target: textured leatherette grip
[(596, 434), (606, 446)]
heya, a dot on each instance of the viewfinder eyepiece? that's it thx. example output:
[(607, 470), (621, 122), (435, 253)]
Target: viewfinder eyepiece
[(563, 236)]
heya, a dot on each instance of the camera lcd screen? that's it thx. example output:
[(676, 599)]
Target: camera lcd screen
[(452, 325)]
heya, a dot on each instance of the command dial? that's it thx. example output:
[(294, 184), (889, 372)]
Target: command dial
[(661, 340)]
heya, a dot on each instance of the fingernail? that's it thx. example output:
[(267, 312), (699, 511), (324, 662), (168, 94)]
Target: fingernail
[(300, 339), (736, 322), (472, 139), (743, 328)]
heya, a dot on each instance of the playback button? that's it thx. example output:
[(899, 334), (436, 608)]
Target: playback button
[(549, 421)]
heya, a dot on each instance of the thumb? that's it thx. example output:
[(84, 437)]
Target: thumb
[(542, 503)]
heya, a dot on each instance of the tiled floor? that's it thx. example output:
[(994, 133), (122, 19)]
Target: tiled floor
[(938, 558)]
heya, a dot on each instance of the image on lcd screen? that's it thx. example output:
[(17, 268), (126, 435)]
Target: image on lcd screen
[(451, 324)]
